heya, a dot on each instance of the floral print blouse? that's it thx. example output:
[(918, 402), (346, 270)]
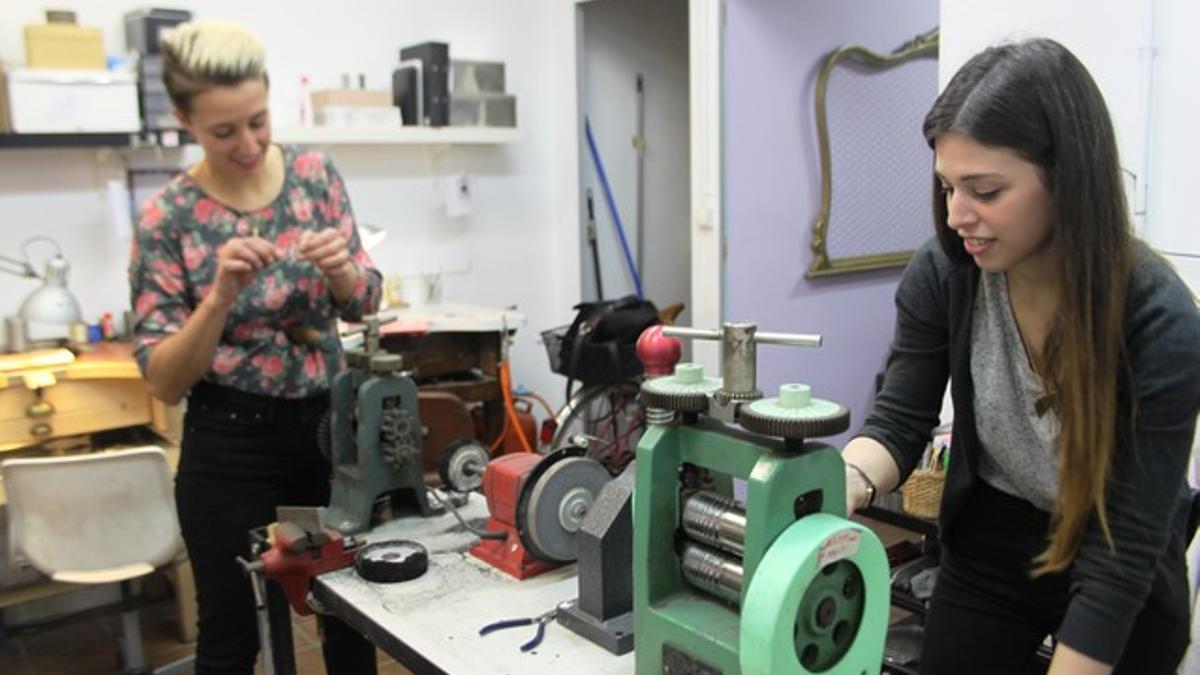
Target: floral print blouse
[(174, 262)]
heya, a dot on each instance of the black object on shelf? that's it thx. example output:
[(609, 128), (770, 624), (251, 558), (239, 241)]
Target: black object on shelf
[(435, 72), (143, 27), (84, 140), (145, 139)]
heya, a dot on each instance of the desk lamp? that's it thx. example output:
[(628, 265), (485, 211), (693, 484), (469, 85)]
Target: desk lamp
[(52, 303)]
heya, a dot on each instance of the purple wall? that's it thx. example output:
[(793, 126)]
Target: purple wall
[(773, 50)]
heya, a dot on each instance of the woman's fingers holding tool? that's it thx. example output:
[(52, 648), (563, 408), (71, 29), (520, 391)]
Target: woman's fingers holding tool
[(326, 249), (238, 261), (255, 252)]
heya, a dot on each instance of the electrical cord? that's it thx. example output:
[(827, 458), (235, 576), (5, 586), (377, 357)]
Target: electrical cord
[(482, 534), (543, 402), (509, 407)]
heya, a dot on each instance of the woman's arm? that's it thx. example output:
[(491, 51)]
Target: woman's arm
[(335, 250), (906, 409), (329, 251), (1067, 661), (180, 360), (872, 459)]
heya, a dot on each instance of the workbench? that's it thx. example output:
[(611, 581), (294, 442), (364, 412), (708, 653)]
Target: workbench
[(431, 624)]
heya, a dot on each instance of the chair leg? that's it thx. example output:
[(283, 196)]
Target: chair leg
[(133, 659)]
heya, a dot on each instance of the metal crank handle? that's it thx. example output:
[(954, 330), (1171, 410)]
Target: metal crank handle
[(796, 339)]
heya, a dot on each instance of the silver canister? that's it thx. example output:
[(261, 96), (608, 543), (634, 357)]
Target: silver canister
[(16, 339)]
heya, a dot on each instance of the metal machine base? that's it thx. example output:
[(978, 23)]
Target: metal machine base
[(603, 612), (615, 634)]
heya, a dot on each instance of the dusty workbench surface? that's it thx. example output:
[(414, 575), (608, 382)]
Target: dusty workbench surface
[(431, 624)]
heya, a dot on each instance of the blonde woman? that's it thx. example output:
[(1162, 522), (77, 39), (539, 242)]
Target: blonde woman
[(234, 263), (1073, 353)]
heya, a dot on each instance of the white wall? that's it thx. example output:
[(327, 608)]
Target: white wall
[(518, 247), (1110, 37), (622, 38), (1143, 55), (1175, 137)]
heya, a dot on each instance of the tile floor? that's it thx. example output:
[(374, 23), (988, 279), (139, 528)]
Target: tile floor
[(85, 644)]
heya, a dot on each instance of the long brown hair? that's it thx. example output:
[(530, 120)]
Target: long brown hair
[(1038, 100)]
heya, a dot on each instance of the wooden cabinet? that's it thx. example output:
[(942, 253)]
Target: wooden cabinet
[(100, 389), (70, 408)]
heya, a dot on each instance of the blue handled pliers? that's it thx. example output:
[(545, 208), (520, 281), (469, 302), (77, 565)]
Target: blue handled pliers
[(540, 621)]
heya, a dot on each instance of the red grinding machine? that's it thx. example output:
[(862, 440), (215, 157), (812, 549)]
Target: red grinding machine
[(539, 502)]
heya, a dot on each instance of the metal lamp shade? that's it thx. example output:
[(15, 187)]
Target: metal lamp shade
[(52, 303)]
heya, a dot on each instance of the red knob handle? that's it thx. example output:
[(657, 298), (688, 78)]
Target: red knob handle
[(657, 352)]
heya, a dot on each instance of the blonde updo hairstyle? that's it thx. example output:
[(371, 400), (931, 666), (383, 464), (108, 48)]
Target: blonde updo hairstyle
[(200, 55)]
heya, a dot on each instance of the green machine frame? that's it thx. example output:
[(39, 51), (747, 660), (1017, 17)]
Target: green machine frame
[(813, 589)]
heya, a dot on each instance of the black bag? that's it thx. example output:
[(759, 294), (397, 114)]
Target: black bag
[(600, 345)]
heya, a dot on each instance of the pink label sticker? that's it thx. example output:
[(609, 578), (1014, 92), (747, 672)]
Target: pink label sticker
[(838, 546)]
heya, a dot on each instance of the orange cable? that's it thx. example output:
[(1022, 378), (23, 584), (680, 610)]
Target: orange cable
[(509, 406)]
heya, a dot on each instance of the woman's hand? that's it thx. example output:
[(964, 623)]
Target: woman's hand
[(858, 493), (327, 250), (239, 260)]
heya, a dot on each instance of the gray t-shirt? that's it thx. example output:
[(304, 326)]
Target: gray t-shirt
[(1017, 430)]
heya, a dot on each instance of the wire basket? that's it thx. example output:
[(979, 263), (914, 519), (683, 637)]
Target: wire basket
[(553, 339), (922, 492)]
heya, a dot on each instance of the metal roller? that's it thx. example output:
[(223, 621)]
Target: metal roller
[(716, 520), (712, 572)]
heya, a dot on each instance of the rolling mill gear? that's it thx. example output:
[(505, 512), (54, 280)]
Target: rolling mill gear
[(777, 581), (373, 437)]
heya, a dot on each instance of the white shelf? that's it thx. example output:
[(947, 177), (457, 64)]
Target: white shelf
[(413, 135)]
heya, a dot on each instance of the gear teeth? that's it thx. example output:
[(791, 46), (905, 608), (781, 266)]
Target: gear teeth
[(794, 428), (692, 402)]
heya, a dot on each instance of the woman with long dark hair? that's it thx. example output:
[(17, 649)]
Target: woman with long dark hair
[(1073, 353)]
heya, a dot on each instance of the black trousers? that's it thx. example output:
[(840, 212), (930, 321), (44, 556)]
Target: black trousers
[(988, 616), (242, 456)]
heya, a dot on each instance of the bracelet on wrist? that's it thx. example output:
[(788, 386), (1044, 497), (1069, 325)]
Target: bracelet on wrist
[(871, 490)]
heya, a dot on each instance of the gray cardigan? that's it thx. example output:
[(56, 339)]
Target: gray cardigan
[(1147, 494)]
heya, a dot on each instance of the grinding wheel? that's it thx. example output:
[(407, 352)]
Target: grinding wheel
[(462, 465), (558, 502)]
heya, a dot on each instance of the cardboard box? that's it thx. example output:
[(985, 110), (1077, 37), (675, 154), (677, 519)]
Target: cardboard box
[(40, 101), (64, 46), (351, 97), (358, 116)]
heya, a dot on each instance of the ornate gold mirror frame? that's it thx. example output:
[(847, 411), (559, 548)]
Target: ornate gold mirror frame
[(823, 263)]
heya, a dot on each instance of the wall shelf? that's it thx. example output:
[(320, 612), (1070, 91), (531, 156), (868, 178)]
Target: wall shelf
[(92, 140), (413, 135), (164, 138), (304, 135)]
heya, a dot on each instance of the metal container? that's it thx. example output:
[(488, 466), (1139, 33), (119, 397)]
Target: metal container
[(483, 110), (476, 77), (15, 339)]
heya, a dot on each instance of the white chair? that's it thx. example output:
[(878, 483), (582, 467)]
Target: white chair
[(99, 518)]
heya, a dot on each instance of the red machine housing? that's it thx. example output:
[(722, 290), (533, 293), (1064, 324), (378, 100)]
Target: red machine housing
[(503, 482), (296, 558)]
